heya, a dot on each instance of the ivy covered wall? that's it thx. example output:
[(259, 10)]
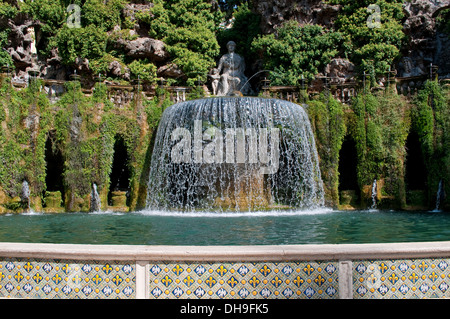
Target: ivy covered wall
[(379, 124), (84, 128)]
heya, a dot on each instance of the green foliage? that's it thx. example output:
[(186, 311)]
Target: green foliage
[(5, 57), (100, 66), (50, 13), (297, 50), (188, 28), (327, 120), (53, 14), (430, 118), (7, 10), (89, 41), (155, 107), (443, 21), (102, 14), (84, 136), (380, 130), (73, 43), (245, 28), (368, 139), (372, 49), (229, 6), (23, 162)]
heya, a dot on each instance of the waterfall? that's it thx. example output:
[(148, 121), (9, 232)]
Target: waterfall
[(25, 195), (439, 196), (234, 154), (95, 199), (374, 195)]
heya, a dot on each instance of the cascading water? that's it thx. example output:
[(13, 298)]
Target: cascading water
[(95, 199), (234, 154), (25, 195), (374, 195), (439, 196)]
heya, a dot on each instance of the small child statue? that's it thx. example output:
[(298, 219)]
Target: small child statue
[(215, 76)]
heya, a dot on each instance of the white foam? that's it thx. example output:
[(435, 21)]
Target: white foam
[(106, 212), (271, 213), (31, 213)]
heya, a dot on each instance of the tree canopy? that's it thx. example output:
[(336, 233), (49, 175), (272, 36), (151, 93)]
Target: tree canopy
[(372, 32), (296, 51), (369, 33)]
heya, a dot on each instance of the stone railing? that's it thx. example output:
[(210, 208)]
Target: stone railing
[(341, 92), (344, 92), (410, 85), (397, 270)]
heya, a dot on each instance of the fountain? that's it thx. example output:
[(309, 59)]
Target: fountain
[(25, 195), (439, 196), (374, 195), (234, 154), (95, 199)]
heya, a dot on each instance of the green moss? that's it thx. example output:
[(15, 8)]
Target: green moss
[(327, 120), (430, 118), (380, 128), (84, 129)]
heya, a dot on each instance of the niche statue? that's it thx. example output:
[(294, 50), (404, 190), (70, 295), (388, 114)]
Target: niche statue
[(228, 78)]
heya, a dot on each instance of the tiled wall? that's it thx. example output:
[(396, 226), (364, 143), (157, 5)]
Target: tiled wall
[(34, 278), (244, 280), (54, 278), (404, 278)]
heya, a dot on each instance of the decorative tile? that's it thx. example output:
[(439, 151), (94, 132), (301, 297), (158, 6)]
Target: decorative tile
[(413, 278), (244, 280), (35, 278)]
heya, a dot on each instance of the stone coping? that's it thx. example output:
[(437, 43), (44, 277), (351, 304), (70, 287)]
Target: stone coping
[(227, 253)]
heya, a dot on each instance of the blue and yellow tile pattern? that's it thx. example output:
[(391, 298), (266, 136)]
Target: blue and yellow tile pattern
[(34, 278), (67, 279), (403, 278), (308, 280)]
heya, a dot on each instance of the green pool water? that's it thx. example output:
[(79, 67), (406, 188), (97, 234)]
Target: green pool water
[(263, 228)]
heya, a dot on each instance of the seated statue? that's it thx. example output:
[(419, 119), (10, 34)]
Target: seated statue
[(232, 79)]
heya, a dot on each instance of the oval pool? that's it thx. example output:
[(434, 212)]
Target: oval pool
[(324, 226)]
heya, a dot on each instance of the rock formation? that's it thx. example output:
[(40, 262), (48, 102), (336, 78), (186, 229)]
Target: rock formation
[(340, 70), (145, 47), (425, 43), (275, 12), (425, 46)]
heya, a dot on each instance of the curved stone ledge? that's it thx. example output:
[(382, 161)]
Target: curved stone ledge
[(227, 253)]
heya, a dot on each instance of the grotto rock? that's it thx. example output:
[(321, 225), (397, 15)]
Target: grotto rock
[(82, 65), (115, 68), (275, 12), (53, 69), (170, 70), (423, 47), (340, 70), (145, 48)]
